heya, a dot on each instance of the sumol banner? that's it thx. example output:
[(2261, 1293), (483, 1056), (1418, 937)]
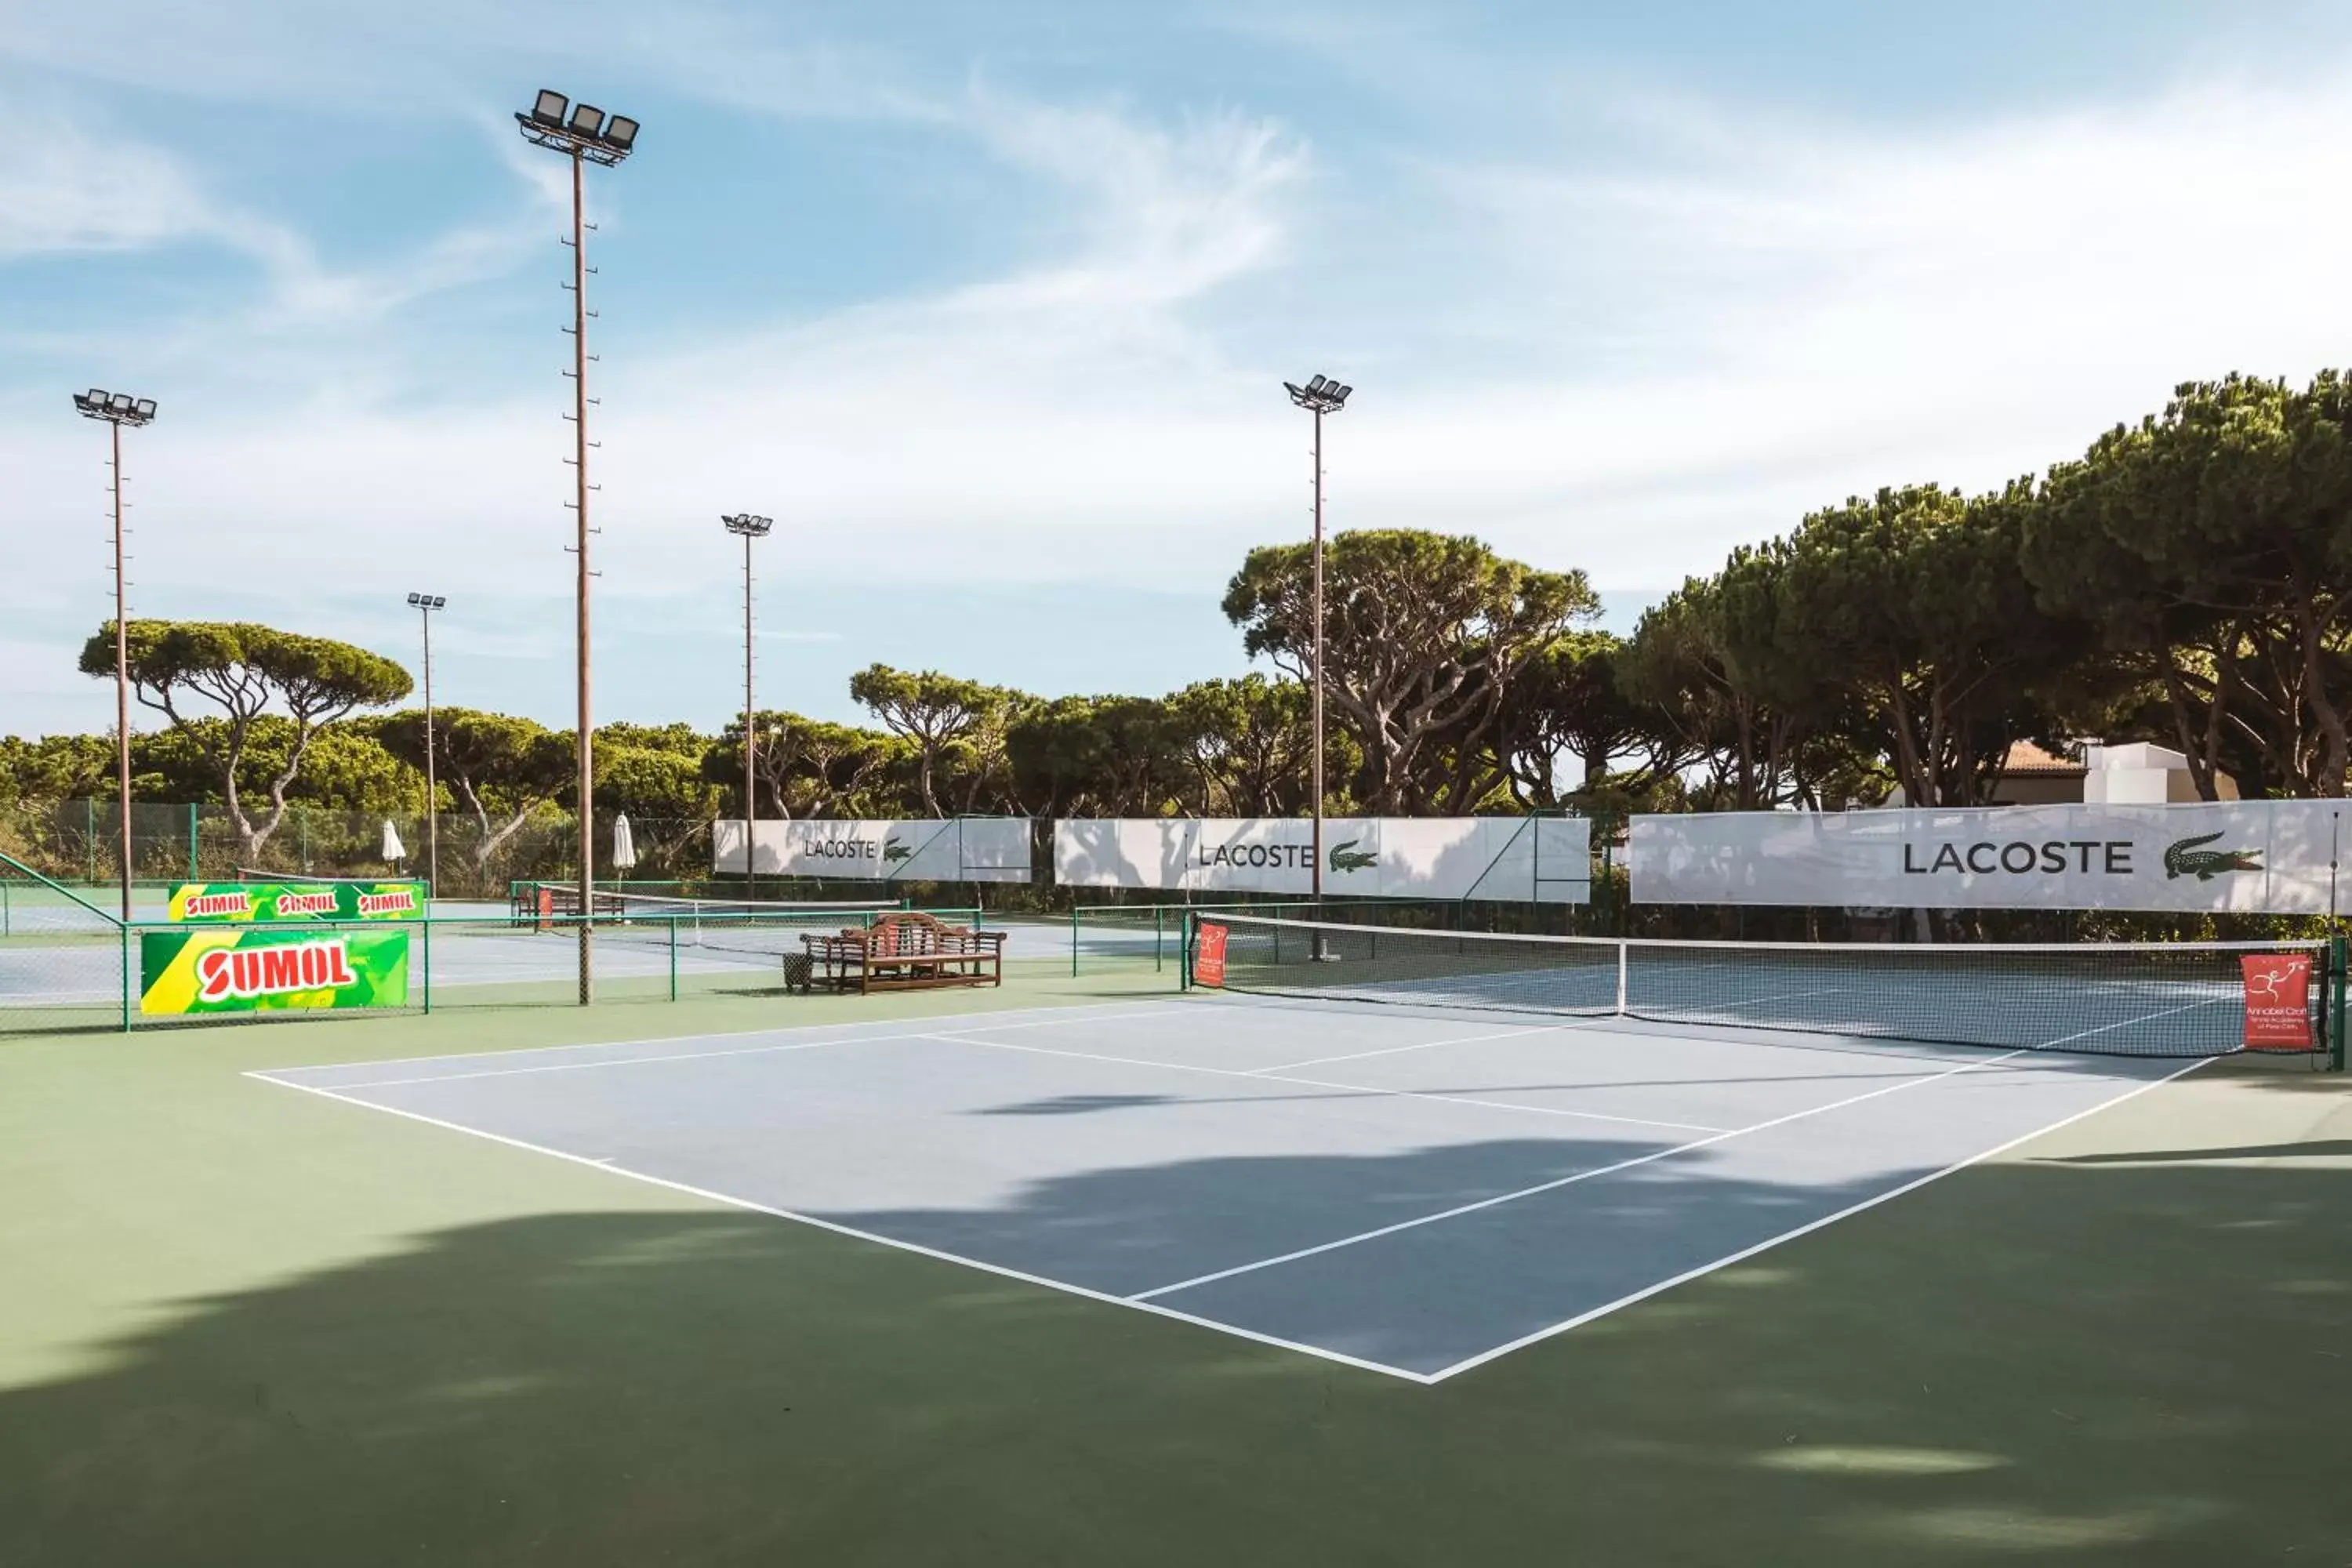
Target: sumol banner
[(249, 969), (957, 849), (2264, 857), (1519, 860), (355, 900)]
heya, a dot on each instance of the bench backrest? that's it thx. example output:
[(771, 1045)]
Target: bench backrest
[(912, 932)]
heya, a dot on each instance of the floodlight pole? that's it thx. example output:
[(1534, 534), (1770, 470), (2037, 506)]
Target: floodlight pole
[(118, 409), (1319, 397), (589, 136), (121, 674), (751, 527), (750, 752), (1318, 889), (426, 605), (587, 747)]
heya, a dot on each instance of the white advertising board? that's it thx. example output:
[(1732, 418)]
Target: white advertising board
[(959, 849), (2266, 857), (1521, 859)]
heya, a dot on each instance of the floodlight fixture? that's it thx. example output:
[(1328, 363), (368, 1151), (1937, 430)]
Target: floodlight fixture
[(588, 133), (1323, 393), (114, 407), (748, 525)]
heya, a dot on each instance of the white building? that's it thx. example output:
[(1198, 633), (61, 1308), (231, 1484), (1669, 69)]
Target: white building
[(2142, 774)]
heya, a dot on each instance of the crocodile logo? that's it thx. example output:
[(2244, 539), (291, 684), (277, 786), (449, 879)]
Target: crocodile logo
[(1346, 856), (893, 852), (2185, 859)]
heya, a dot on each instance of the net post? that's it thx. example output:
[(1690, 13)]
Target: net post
[(673, 958), (1623, 948), (126, 977), (2337, 1004), (1157, 914), (1184, 955), (1074, 941)]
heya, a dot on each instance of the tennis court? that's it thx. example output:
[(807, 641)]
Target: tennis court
[(1414, 1190)]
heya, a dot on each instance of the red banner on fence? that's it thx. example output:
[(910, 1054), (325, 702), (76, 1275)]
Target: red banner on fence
[(1209, 955), (2278, 1001)]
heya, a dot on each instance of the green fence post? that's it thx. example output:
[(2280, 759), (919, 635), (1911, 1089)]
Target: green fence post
[(2335, 1041), (126, 979), (1156, 912), (429, 961), (191, 843), (89, 837), (673, 958), (1074, 941)]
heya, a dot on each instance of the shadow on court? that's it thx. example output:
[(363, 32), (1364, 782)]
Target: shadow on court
[(2045, 1362)]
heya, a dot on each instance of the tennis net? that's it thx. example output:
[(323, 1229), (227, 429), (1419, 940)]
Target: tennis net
[(749, 927), (2168, 999)]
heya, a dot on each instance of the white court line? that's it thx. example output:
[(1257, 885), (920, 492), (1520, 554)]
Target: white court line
[(683, 1055), (1744, 1253), (1416, 1045), (1628, 1164), (705, 1194), (1086, 1009), (1364, 1088)]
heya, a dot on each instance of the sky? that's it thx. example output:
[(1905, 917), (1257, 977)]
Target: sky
[(990, 307)]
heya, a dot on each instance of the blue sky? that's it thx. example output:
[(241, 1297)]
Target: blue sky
[(989, 305)]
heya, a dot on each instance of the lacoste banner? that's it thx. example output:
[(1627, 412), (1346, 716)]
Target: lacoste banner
[(243, 969), (298, 901), (959, 849), (1513, 858), (2260, 856)]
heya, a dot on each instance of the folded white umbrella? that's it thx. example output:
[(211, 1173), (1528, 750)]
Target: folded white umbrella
[(624, 845)]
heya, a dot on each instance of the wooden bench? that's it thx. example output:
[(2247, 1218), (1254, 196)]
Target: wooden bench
[(909, 950)]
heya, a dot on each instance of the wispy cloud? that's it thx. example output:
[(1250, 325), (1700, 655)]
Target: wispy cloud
[(1623, 348)]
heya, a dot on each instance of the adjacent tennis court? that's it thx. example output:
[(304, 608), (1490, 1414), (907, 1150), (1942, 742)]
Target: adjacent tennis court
[(1411, 1190)]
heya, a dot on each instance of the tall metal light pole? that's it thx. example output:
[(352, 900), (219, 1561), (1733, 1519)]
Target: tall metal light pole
[(1321, 395), (118, 409), (425, 605), (749, 528), (588, 136)]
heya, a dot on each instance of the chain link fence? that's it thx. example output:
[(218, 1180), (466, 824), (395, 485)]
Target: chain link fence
[(78, 843)]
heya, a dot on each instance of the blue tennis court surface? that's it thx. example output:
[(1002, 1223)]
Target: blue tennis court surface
[(1411, 1190)]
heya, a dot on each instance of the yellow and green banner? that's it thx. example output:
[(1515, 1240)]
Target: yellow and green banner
[(243, 969), (296, 901)]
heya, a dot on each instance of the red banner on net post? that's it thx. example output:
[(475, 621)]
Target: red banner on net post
[(2278, 1001), (1209, 955)]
